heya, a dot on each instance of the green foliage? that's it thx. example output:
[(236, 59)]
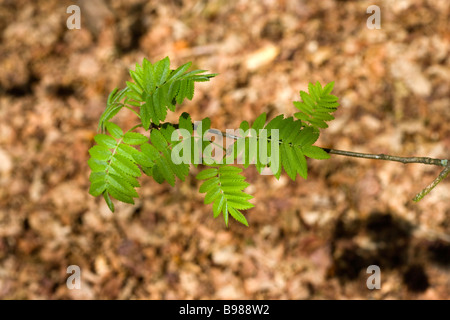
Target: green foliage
[(223, 187), (295, 142), (158, 153), (116, 163), (114, 172), (118, 159), (155, 89), (317, 106)]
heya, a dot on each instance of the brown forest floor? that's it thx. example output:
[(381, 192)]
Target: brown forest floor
[(309, 239)]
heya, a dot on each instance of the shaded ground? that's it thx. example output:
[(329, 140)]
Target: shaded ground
[(307, 239)]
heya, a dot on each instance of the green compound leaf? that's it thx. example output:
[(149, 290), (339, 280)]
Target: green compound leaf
[(226, 197), (157, 88), (294, 140), (317, 106)]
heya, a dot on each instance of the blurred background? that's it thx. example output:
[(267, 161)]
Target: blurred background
[(309, 239)]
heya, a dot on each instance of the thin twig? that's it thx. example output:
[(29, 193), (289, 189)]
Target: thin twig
[(424, 160), (444, 173)]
